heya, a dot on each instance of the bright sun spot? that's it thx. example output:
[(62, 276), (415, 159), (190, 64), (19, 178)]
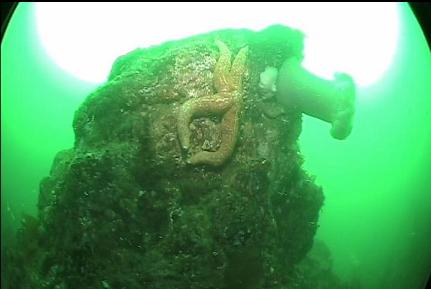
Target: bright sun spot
[(85, 38)]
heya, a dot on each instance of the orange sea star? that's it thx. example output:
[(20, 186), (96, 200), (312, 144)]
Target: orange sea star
[(227, 102)]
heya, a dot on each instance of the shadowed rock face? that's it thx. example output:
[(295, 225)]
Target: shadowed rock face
[(124, 209)]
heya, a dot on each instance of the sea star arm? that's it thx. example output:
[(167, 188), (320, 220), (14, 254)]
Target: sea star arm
[(222, 68), (230, 127), (214, 104), (238, 69)]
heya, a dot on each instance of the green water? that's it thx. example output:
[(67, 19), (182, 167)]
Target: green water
[(376, 219)]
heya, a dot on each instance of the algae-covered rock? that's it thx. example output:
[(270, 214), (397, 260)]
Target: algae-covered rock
[(128, 207)]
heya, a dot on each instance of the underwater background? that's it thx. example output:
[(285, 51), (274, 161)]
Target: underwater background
[(376, 217)]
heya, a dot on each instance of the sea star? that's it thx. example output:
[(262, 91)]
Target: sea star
[(227, 102)]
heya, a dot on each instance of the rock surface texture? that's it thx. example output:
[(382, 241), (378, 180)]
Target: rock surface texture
[(185, 173)]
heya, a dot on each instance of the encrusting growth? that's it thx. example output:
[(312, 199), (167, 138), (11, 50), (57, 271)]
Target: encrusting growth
[(227, 102)]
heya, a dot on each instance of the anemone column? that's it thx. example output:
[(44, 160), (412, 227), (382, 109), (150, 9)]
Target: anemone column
[(329, 100)]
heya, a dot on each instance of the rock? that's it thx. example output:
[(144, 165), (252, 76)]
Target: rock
[(124, 206)]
